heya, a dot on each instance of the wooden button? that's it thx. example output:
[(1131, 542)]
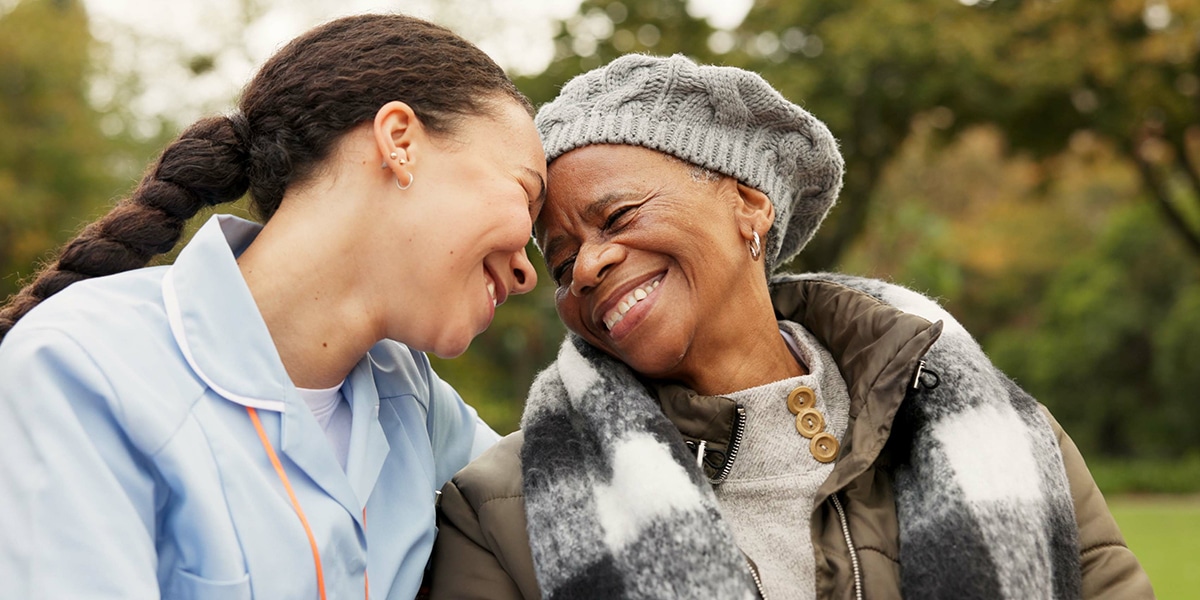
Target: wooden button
[(801, 398), (810, 422), (824, 447)]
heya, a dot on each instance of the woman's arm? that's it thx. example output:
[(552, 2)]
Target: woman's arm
[(1109, 568), (77, 517), (482, 548), (463, 565)]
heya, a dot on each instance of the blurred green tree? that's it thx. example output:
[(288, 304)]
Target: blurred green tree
[(1070, 279), (602, 30), (56, 165), (1127, 71), (1040, 70)]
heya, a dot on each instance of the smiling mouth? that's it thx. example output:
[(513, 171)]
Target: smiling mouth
[(630, 300), (495, 288)]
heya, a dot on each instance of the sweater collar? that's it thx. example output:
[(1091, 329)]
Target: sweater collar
[(876, 346)]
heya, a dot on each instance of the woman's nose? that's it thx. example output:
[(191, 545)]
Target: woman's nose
[(592, 264), (524, 275)]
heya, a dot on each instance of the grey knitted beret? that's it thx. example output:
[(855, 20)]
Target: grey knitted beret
[(722, 118)]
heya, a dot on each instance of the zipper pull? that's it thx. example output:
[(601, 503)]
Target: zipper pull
[(931, 380), (917, 377)]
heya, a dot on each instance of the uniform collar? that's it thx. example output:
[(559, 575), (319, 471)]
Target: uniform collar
[(216, 322)]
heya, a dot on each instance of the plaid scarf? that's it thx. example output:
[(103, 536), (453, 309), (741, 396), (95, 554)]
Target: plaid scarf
[(617, 507)]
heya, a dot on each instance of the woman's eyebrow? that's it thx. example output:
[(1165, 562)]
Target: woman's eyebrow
[(540, 200), (601, 204)]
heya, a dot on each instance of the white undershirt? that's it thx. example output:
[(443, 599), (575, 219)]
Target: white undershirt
[(332, 411)]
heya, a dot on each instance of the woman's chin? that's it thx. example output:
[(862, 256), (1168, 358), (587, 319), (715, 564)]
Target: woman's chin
[(655, 365), (451, 348)]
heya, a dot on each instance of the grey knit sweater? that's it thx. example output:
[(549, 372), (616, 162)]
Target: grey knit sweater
[(768, 497)]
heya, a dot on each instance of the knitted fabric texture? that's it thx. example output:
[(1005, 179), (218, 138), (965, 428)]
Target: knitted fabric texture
[(617, 507), (769, 494), (722, 118)]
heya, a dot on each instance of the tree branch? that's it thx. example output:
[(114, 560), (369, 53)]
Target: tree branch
[(1158, 190), (1189, 167)]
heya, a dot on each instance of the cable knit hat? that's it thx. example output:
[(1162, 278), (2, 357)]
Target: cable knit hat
[(722, 118)]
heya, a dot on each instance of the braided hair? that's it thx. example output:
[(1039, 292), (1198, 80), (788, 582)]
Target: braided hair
[(290, 117)]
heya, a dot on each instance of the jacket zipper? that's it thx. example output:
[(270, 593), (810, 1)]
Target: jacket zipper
[(762, 593), (837, 504), (735, 442)]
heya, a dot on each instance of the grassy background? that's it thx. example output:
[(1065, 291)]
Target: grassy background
[(1164, 533)]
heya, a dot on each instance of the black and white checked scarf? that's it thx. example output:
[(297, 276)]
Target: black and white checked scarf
[(617, 507)]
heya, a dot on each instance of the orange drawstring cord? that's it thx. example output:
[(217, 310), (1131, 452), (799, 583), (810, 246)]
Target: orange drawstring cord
[(366, 582), (312, 541)]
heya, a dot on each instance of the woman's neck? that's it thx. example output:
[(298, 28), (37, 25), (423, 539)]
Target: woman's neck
[(740, 352), (301, 274)]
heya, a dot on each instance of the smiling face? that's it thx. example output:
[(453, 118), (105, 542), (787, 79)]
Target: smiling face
[(470, 213), (650, 261)]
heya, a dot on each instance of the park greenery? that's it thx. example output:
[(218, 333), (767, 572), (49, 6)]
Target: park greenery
[(1033, 164)]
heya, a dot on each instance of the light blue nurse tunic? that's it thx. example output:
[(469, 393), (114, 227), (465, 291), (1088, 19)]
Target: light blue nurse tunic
[(130, 468)]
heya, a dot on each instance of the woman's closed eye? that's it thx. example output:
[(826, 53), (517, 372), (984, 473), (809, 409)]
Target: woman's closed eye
[(616, 219), (561, 270)]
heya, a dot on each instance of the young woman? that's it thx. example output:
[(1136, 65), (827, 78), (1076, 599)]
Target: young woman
[(707, 432), (259, 419)]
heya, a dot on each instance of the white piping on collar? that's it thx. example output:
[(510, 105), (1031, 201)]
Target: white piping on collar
[(175, 318)]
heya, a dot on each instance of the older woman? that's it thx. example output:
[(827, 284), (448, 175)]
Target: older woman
[(709, 433)]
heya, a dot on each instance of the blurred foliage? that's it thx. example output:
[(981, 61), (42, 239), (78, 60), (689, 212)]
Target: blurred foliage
[(1034, 164), (55, 169), (1144, 476)]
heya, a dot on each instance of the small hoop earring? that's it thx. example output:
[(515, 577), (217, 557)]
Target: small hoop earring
[(411, 178), (756, 247)]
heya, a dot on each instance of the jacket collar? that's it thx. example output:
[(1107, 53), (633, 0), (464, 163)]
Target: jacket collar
[(214, 318), (877, 348)]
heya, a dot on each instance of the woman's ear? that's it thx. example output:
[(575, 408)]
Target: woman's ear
[(754, 211), (399, 136)]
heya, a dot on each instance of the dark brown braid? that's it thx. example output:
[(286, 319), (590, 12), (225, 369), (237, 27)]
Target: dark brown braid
[(291, 115)]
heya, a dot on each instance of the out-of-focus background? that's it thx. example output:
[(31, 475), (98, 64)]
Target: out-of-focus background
[(1033, 164)]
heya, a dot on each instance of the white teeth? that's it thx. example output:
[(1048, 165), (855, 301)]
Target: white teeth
[(615, 315), (491, 287)]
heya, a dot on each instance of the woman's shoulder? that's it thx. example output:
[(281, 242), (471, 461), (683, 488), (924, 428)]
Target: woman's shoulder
[(116, 322), (104, 344), (102, 306), (494, 475)]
